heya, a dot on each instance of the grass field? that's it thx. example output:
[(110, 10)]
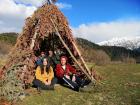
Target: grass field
[(120, 86)]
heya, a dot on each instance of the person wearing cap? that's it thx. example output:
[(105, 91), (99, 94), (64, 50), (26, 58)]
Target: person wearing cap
[(39, 60), (67, 74)]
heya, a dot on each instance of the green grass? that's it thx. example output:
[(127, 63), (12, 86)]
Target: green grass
[(120, 86), (123, 82)]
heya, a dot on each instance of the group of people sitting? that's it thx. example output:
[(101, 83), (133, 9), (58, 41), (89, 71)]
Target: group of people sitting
[(54, 69)]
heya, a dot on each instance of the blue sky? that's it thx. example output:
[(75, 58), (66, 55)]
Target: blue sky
[(101, 10), (95, 20)]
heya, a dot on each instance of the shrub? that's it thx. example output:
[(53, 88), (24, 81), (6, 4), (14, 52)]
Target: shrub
[(129, 60), (5, 48), (10, 86), (99, 57)]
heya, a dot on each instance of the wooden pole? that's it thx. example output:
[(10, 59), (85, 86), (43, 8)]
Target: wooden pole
[(81, 58), (33, 41), (57, 32), (35, 35)]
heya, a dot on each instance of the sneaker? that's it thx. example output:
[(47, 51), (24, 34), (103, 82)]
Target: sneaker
[(56, 85), (87, 88), (39, 89), (87, 82), (91, 84), (51, 87)]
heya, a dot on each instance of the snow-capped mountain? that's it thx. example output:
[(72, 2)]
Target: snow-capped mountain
[(127, 42)]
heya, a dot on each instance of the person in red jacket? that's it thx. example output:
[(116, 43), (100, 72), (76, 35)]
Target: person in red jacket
[(67, 74)]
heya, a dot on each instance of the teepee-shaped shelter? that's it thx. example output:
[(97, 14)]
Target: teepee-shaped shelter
[(46, 25)]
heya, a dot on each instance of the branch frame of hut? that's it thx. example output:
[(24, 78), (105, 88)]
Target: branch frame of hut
[(46, 27)]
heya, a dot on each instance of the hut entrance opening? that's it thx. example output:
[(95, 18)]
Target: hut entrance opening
[(53, 43)]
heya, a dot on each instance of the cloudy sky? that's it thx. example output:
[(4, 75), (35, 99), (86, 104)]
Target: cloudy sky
[(95, 20)]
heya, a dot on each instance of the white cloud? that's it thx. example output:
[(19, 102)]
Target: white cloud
[(98, 32), (40, 2), (12, 15), (1, 22), (31, 2), (9, 8), (64, 5), (14, 12)]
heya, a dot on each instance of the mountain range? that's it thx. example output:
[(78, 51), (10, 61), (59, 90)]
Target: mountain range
[(131, 43)]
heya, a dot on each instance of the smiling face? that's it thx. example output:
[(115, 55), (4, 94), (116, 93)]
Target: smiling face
[(45, 62), (63, 61)]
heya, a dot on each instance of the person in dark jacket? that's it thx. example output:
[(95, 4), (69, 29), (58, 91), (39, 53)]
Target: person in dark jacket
[(52, 59), (39, 60), (67, 74)]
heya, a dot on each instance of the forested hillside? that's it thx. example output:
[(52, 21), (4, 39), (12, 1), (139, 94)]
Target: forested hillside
[(115, 53)]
